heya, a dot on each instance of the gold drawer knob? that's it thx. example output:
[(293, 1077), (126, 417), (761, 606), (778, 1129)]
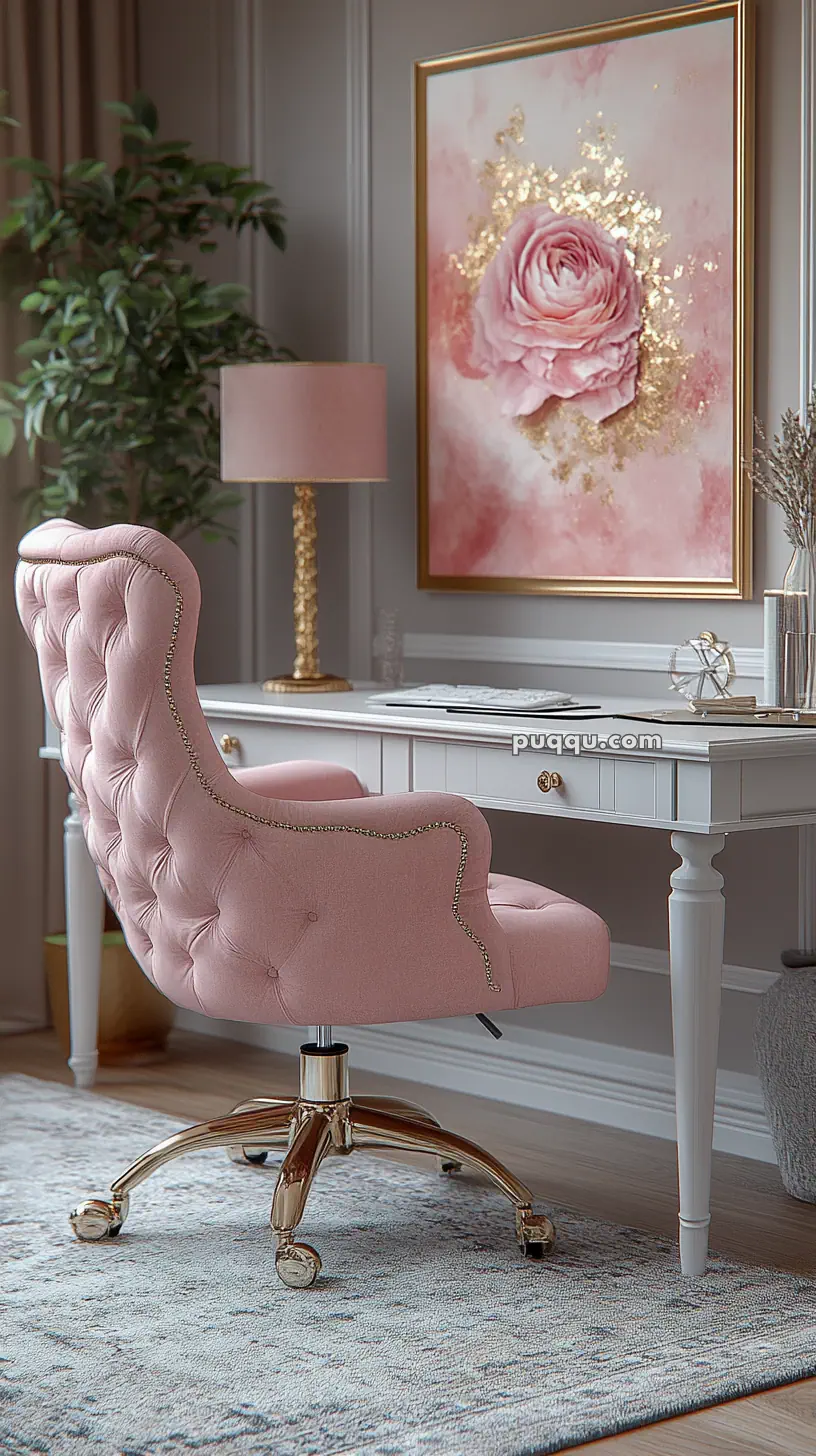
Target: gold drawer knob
[(228, 744), (547, 780)]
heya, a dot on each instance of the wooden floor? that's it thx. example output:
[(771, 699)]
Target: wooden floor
[(619, 1176)]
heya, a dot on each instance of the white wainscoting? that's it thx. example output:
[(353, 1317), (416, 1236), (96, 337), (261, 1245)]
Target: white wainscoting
[(562, 652), (611, 1085)]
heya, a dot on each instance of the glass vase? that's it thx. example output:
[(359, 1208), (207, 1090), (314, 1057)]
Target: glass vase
[(388, 649), (799, 624)]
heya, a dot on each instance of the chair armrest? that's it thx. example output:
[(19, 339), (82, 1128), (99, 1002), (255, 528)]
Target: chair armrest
[(388, 900), (304, 779)]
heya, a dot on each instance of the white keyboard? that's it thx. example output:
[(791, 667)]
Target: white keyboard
[(448, 695)]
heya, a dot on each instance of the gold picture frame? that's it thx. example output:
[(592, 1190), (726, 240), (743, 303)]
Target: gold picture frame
[(735, 581)]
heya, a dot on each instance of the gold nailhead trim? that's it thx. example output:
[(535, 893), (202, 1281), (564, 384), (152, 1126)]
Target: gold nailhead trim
[(246, 813)]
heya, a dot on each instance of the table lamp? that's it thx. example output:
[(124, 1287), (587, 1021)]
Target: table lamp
[(301, 424)]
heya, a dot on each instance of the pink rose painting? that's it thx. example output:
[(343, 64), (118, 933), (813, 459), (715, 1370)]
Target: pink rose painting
[(583, 408), (557, 315)]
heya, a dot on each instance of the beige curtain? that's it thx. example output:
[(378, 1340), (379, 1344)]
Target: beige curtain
[(59, 61)]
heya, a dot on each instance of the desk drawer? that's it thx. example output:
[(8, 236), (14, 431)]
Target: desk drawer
[(260, 743), (494, 775)]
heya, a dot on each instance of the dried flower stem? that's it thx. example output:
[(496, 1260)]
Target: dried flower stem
[(784, 472)]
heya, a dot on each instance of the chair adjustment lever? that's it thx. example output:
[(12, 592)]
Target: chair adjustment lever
[(490, 1025)]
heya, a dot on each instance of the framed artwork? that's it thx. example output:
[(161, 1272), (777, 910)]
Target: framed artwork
[(584, 310)]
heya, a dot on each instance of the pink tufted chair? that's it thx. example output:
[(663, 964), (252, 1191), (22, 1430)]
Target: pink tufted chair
[(275, 895)]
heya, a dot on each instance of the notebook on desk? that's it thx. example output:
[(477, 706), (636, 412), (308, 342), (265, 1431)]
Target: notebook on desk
[(464, 696)]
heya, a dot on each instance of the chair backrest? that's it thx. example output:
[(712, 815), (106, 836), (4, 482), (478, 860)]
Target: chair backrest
[(234, 904)]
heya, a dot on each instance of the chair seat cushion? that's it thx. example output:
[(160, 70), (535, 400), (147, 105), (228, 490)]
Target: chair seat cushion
[(559, 949)]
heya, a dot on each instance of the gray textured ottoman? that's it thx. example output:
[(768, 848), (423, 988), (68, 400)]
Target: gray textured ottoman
[(785, 1046)]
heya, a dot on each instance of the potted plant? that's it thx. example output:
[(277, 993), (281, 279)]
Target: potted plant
[(119, 376), (116, 396)]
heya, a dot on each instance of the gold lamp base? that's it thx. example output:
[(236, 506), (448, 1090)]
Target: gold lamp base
[(324, 682), (306, 676)]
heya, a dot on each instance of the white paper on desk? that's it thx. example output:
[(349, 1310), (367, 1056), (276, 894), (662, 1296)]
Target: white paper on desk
[(477, 699)]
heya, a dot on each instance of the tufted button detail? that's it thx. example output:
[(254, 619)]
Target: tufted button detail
[(246, 833), (312, 915)]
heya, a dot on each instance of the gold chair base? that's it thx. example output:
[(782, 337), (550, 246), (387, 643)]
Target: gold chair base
[(322, 1120)]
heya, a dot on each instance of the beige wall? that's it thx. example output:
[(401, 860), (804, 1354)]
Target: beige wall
[(185, 57), (298, 108), (249, 84), (402, 33), (623, 874)]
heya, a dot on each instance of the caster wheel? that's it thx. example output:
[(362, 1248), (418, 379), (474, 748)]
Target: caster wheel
[(533, 1250), (297, 1265), (95, 1219), (240, 1155), (449, 1165), (535, 1233)]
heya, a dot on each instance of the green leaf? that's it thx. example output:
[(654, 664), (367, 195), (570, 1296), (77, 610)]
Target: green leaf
[(8, 434), (274, 232), (85, 170), (145, 113), (33, 419), (227, 293), (28, 164), (247, 191), (32, 302), (208, 247), (11, 223), (30, 347), (134, 131), (163, 150), (120, 108), (202, 318)]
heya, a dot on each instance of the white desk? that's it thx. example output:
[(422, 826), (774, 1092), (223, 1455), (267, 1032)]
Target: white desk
[(703, 783)]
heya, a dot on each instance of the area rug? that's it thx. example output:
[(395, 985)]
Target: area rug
[(428, 1334)]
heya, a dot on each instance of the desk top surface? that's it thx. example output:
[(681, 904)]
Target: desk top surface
[(353, 711)]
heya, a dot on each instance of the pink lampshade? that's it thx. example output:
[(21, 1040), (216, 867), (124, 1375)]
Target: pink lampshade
[(303, 422)]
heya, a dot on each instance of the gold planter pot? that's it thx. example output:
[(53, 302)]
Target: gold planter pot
[(134, 1018)]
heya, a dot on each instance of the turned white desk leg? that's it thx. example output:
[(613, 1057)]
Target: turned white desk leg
[(84, 906), (696, 926)]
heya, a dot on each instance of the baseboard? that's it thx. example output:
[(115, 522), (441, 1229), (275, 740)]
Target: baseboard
[(613, 1086), (561, 652), (646, 958)]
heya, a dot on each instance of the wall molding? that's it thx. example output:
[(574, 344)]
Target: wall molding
[(360, 318), (608, 1085), (248, 115), (560, 652), (807, 373), (749, 979), (807, 215)]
